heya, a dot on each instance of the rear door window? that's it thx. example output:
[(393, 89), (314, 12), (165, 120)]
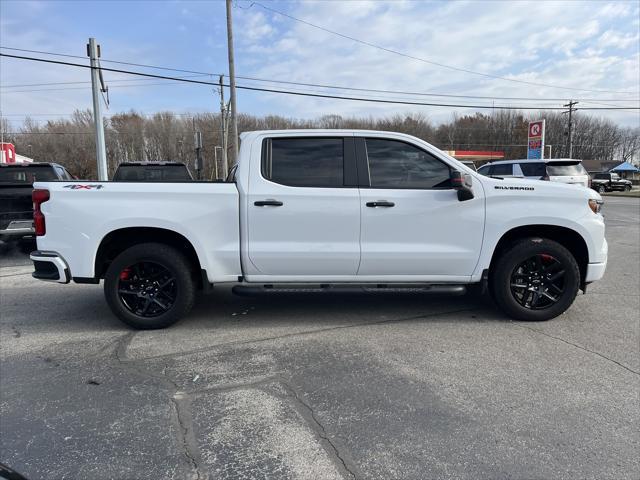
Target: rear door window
[(501, 170), (565, 169), (533, 169), (484, 170), (305, 162)]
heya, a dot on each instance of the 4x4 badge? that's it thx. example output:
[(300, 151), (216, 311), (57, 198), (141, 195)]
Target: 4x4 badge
[(76, 186)]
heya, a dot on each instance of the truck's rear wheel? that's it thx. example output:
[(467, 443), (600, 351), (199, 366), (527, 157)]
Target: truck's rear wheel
[(149, 286), (601, 189), (536, 279)]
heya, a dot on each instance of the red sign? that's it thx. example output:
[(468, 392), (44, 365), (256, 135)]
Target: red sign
[(535, 147), (536, 129)]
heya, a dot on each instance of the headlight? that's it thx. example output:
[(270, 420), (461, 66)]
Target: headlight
[(595, 205)]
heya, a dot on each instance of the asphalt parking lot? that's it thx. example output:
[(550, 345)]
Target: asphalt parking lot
[(322, 386)]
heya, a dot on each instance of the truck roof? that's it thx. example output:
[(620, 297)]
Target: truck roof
[(151, 164), (535, 160), (32, 164)]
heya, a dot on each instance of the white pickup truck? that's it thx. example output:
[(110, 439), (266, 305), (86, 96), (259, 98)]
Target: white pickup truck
[(307, 208)]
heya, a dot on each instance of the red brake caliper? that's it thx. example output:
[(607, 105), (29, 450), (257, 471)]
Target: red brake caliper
[(124, 274)]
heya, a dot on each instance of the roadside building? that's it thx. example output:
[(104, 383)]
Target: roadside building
[(8, 154)]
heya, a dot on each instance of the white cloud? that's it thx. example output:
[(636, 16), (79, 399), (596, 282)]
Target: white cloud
[(611, 38), (550, 43)]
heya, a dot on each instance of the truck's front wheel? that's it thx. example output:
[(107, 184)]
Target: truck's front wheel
[(536, 279), (149, 286)]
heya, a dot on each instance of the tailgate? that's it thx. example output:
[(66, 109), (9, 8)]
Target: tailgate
[(15, 203)]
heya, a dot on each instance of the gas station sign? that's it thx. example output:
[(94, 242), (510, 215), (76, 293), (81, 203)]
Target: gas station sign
[(535, 143)]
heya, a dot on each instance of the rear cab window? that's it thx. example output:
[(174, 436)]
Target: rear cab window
[(27, 175), (152, 173)]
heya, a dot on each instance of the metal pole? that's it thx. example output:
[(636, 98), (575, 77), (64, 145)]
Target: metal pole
[(198, 144), (215, 161), (223, 129), (571, 104), (101, 154), (232, 83)]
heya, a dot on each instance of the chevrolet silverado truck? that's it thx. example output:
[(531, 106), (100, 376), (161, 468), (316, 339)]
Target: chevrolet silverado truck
[(318, 209)]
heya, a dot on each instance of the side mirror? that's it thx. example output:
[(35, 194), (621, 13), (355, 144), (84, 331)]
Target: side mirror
[(462, 182)]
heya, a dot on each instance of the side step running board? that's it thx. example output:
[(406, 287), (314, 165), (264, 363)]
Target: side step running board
[(245, 290)]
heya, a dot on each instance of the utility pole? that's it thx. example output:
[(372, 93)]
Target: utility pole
[(569, 132), (93, 52), (223, 128), (232, 84), (198, 145)]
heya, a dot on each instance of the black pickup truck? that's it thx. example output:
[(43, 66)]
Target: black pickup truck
[(607, 182), (16, 185)]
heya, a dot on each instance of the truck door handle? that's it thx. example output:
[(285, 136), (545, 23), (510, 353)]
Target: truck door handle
[(380, 203), (268, 203)]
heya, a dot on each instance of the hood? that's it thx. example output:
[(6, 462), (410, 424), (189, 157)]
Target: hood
[(536, 187)]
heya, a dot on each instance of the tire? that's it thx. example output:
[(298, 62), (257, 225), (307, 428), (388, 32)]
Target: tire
[(149, 286), (627, 188), (601, 189), (512, 286)]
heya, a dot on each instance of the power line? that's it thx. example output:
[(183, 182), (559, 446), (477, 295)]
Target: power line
[(306, 94), (406, 55), (306, 84), (24, 85)]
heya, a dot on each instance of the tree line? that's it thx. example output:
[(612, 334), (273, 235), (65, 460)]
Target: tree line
[(167, 136)]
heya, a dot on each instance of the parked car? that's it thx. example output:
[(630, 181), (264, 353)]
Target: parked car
[(16, 185), (561, 170), (327, 207), (607, 182), (152, 172)]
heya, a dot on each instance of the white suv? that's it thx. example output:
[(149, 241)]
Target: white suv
[(563, 170)]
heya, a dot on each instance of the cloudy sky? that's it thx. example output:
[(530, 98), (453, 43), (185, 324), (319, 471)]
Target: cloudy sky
[(551, 51)]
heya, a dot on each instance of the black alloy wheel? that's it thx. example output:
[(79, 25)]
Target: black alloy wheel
[(147, 289), (538, 282), (150, 285), (534, 279)]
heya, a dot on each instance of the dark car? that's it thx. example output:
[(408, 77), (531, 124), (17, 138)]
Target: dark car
[(16, 185), (152, 172), (607, 182)]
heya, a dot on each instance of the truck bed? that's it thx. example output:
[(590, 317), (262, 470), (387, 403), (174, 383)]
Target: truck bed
[(80, 214)]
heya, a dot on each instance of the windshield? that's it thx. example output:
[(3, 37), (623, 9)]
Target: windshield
[(562, 169), (26, 175)]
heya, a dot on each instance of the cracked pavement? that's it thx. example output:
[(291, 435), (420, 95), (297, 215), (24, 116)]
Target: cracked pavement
[(324, 386)]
